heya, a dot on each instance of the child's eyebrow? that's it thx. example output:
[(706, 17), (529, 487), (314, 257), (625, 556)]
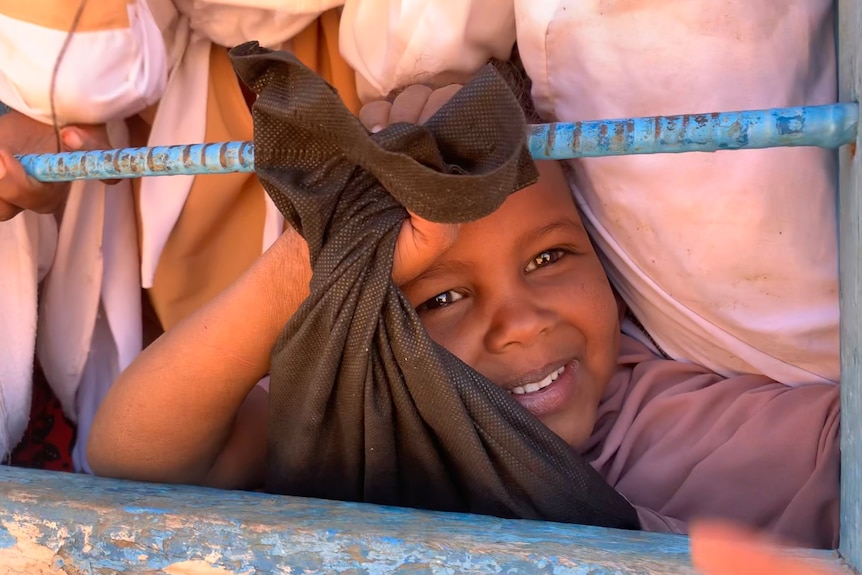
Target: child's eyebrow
[(562, 224), (441, 267)]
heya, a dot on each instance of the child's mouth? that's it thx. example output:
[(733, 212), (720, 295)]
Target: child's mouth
[(553, 392), (539, 385)]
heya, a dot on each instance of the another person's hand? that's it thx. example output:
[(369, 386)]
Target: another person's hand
[(420, 241), (718, 548), (20, 134)]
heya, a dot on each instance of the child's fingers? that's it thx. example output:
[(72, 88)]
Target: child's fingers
[(420, 243), (720, 548), (414, 105), (436, 100), (77, 138), (375, 115), (85, 138), (73, 138), (19, 135), (408, 106), (19, 192)]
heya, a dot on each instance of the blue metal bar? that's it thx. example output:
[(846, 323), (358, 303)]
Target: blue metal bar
[(191, 159), (829, 126)]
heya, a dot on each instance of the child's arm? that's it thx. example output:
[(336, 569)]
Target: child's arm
[(187, 409), (172, 416)]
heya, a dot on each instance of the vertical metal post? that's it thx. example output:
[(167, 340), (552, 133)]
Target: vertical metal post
[(850, 247)]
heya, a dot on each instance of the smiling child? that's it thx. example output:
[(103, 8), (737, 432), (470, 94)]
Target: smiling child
[(521, 297)]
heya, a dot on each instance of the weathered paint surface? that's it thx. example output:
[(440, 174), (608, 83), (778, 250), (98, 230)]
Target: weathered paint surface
[(82, 525), (850, 226), (825, 126), (191, 159)]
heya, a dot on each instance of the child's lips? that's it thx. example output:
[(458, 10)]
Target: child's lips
[(539, 384), (533, 377), (545, 397)]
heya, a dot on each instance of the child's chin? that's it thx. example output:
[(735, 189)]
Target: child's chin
[(575, 432)]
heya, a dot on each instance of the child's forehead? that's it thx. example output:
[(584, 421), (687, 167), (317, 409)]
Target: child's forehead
[(525, 214), (549, 197)]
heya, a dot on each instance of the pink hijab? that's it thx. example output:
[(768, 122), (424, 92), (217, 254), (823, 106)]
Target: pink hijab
[(682, 443)]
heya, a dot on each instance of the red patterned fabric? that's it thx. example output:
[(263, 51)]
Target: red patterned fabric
[(48, 441)]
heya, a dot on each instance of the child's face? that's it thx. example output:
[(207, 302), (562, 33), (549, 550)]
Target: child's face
[(522, 298)]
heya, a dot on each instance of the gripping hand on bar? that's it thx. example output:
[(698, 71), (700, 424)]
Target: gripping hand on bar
[(828, 126)]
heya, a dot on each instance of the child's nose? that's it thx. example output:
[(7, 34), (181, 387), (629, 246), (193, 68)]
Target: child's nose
[(519, 321)]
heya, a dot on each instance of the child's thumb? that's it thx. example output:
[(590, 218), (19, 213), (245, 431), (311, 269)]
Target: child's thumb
[(86, 137), (722, 548), (73, 138)]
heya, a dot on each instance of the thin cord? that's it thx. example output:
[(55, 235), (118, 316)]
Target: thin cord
[(75, 21)]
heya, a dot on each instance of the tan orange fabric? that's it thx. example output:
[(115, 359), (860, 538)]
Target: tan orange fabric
[(317, 48), (220, 231), (218, 234)]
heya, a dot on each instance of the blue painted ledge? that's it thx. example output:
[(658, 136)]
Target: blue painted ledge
[(86, 525)]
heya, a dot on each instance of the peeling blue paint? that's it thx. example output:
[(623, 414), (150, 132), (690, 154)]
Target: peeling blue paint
[(789, 126), (6, 539), (828, 126), (130, 527), (143, 510)]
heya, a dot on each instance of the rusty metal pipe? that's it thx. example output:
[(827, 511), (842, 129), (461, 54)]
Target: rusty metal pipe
[(829, 126)]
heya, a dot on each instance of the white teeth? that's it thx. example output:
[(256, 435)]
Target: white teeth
[(533, 387)]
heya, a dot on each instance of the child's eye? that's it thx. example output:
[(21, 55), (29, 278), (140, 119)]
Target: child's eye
[(545, 258), (440, 300)]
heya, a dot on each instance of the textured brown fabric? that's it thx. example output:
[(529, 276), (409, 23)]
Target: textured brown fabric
[(364, 406)]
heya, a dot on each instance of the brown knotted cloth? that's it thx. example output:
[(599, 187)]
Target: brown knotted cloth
[(364, 406)]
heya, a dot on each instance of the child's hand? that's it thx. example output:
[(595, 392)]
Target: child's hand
[(420, 242), (414, 105), (20, 134), (718, 548)]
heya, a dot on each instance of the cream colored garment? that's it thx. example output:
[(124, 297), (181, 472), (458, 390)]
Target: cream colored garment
[(728, 259), (93, 285), (90, 316), (27, 244), (270, 22), (89, 283), (128, 75), (391, 43), (682, 443)]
